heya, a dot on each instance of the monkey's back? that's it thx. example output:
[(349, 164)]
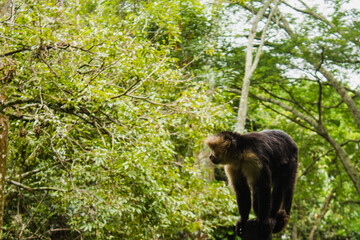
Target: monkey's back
[(283, 151), (275, 145)]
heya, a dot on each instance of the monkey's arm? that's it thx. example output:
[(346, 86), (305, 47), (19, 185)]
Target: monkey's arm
[(243, 199), (263, 188)]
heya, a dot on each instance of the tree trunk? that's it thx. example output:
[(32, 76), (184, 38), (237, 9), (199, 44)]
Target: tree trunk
[(251, 65), (4, 129)]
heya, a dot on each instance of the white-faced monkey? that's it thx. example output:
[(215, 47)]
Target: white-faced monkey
[(267, 162)]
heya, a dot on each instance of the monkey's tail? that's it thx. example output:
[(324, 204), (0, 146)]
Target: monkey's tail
[(281, 220)]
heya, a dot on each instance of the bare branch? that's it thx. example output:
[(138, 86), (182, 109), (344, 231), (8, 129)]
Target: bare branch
[(349, 141), (14, 52), (307, 169), (152, 102), (33, 189), (18, 101), (308, 11), (291, 109), (128, 90), (49, 66), (293, 100)]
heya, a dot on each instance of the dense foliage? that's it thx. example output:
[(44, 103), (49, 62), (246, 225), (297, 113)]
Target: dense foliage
[(104, 121), (109, 102)]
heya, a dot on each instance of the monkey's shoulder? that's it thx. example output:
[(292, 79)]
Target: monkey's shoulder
[(250, 165), (246, 165)]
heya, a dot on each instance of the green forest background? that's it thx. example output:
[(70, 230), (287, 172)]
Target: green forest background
[(108, 103)]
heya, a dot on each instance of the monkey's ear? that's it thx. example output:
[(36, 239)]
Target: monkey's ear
[(217, 141)]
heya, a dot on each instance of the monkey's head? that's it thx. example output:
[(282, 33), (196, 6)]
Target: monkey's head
[(219, 145)]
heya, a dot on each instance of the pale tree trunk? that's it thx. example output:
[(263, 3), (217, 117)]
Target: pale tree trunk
[(4, 129), (322, 214), (251, 65)]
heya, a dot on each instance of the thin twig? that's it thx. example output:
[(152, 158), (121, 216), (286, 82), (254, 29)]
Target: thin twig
[(49, 66), (128, 90)]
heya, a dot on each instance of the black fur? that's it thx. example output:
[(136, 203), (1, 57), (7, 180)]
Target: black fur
[(266, 161)]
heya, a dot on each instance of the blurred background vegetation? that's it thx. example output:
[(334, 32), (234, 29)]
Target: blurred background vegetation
[(108, 103)]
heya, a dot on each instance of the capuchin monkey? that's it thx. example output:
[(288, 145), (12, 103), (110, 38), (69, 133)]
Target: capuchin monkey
[(267, 163)]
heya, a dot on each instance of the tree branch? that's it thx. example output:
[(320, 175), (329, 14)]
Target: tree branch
[(128, 89), (17, 102), (308, 11), (307, 169), (33, 189), (322, 213), (14, 52), (149, 101), (297, 113), (49, 66), (355, 111)]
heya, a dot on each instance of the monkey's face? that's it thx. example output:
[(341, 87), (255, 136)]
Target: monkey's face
[(219, 148), (217, 158)]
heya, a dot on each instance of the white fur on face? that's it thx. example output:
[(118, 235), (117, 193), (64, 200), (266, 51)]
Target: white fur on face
[(213, 141)]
